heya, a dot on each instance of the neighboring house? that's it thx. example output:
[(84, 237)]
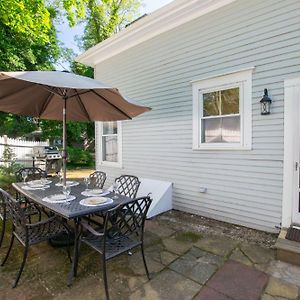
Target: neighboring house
[(202, 66)]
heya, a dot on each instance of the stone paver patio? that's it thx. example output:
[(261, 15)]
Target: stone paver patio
[(189, 257)]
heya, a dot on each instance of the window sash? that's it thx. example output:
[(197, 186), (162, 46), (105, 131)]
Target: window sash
[(202, 117), (101, 151)]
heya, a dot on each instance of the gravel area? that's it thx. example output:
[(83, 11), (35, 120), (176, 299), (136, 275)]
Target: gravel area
[(181, 220)]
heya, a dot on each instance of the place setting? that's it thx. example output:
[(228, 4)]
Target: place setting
[(68, 182), (65, 197), (39, 184), (95, 196)]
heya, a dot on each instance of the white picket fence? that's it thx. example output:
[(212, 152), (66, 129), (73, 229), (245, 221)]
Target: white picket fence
[(22, 149)]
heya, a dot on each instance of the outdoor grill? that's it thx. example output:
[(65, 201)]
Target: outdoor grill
[(47, 156)]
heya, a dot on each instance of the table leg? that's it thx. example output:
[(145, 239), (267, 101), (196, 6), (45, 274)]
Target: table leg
[(77, 233)]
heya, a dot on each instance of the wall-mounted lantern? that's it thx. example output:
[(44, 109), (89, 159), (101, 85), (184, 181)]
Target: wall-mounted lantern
[(265, 103)]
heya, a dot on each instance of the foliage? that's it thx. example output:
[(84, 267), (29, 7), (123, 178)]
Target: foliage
[(103, 18), (79, 157), (7, 171), (15, 126)]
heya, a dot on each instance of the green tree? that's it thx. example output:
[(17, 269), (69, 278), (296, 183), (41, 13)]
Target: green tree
[(102, 19)]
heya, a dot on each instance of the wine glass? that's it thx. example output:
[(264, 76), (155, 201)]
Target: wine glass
[(24, 176), (44, 179), (115, 189), (66, 190), (87, 181), (60, 177)]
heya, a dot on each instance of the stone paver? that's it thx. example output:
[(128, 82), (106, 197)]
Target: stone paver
[(239, 256), (197, 265), (285, 272), (175, 246), (217, 245), (238, 281), (278, 288), (207, 293), (167, 285), (257, 254)]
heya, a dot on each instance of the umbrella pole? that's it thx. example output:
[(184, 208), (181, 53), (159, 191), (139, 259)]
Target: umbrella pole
[(64, 141)]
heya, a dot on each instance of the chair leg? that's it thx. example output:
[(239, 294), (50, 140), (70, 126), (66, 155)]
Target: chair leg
[(105, 279), (69, 248), (22, 266), (144, 260), (9, 249), (2, 231)]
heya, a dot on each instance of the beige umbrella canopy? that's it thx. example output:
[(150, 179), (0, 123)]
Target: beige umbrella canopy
[(55, 95)]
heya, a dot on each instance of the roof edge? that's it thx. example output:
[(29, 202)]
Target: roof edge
[(162, 20)]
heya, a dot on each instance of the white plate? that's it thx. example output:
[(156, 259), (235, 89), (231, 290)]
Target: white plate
[(89, 193), (58, 198), (68, 183), (39, 181), (96, 201), (33, 187)]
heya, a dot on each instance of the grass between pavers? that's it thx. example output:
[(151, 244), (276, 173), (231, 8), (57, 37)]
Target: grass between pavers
[(188, 236)]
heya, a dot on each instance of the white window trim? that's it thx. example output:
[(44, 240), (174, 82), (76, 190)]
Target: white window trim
[(98, 146), (241, 79)]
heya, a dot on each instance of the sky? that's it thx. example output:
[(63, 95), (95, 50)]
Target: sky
[(67, 34)]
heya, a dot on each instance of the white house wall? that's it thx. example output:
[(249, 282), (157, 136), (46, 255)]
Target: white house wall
[(243, 187)]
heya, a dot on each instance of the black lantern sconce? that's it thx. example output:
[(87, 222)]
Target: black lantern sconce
[(265, 103)]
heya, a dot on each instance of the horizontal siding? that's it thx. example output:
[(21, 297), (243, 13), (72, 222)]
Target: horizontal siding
[(243, 187)]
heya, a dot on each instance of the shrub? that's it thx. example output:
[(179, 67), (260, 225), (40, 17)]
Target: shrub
[(80, 157)]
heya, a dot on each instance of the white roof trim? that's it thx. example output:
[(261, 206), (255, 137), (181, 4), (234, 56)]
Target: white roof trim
[(168, 17)]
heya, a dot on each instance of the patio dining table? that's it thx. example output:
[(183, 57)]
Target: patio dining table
[(72, 210)]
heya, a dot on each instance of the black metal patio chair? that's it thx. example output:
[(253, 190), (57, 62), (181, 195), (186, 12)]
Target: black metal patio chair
[(29, 234), (123, 230), (29, 210), (128, 185), (97, 179), (33, 173)]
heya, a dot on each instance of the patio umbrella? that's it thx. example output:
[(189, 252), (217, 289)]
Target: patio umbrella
[(55, 95)]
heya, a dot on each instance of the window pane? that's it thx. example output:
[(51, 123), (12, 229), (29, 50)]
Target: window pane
[(231, 130), (221, 130), (230, 101), (211, 104), (110, 128), (211, 130), (110, 148), (223, 102)]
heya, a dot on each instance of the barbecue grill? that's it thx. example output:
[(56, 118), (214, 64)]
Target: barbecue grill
[(48, 156)]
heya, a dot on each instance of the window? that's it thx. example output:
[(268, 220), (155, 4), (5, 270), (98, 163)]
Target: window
[(109, 151), (222, 112)]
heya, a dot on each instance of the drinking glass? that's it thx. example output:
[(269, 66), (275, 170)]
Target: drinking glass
[(115, 189), (44, 179), (87, 182), (24, 176), (66, 190), (60, 177)]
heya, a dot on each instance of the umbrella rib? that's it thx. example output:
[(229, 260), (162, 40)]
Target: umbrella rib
[(114, 106), (46, 103), (82, 106)]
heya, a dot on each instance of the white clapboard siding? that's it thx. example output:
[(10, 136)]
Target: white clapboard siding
[(243, 187)]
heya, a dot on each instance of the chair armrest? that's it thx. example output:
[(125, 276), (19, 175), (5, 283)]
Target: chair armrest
[(91, 229)]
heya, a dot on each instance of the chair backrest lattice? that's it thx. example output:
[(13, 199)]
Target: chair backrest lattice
[(128, 185), (127, 220), (13, 208), (32, 173), (98, 179)]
